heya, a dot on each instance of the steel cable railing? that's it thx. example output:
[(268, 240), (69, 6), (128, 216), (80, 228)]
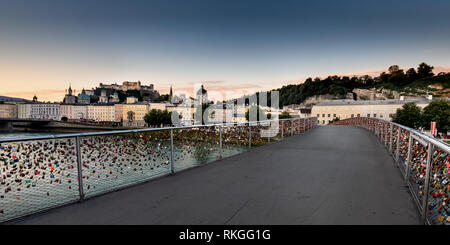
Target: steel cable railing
[(423, 161), (43, 172)]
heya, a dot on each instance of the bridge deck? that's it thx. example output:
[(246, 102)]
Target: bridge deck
[(330, 175)]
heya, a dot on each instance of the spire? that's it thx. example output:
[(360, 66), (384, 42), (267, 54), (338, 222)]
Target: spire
[(70, 89), (170, 93)]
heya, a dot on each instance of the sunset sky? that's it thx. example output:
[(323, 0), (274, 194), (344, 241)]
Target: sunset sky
[(239, 46)]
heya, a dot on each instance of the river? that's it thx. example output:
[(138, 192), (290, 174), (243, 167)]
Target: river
[(18, 134)]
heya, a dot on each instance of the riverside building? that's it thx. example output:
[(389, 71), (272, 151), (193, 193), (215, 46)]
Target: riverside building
[(327, 110)]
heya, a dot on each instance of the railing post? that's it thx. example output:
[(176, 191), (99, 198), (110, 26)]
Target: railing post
[(172, 164), (391, 140), (408, 157), (249, 136), (220, 142), (292, 127), (386, 129), (428, 170), (80, 170), (397, 151)]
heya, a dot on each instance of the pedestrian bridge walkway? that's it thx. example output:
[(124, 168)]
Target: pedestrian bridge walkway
[(328, 175)]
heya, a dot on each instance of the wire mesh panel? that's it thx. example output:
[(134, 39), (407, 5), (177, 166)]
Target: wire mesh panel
[(287, 128), (303, 123), (417, 170), (115, 161), (36, 175), (403, 149), (439, 189), (383, 131), (235, 140), (195, 146), (388, 134), (258, 138), (296, 126), (394, 138)]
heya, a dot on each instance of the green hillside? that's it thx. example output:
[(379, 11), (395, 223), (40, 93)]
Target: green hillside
[(415, 81)]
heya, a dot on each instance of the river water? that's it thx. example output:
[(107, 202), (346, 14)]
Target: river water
[(18, 134)]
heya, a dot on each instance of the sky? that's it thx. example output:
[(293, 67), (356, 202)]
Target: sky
[(236, 46)]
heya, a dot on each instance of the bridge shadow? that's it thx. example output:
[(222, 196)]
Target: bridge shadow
[(329, 175)]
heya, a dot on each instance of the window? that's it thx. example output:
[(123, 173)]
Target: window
[(323, 115), (381, 115), (323, 121), (368, 114), (334, 115), (374, 115), (318, 115), (353, 115), (358, 115), (390, 115), (329, 115)]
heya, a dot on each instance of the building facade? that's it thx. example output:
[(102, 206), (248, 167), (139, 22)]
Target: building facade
[(73, 112), (126, 85), (45, 111), (24, 111), (158, 106), (101, 113), (133, 114), (69, 98), (343, 109), (118, 110), (8, 110), (83, 98)]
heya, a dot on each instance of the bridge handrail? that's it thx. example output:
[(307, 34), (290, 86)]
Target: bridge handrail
[(62, 136), (45, 172), (425, 167)]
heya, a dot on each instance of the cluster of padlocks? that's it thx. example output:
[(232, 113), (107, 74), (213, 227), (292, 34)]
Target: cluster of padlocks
[(423, 160), (38, 173)]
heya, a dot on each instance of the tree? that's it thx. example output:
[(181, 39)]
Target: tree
[(409, 115), (424, 70), (336, 119), (284, 115), (437, 111), (384, 77), (397, 77), (393, 69), (130, 115), (411, 74), (157, 117)]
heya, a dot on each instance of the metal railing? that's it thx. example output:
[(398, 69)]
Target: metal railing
[(423, 161), (44, 172)]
